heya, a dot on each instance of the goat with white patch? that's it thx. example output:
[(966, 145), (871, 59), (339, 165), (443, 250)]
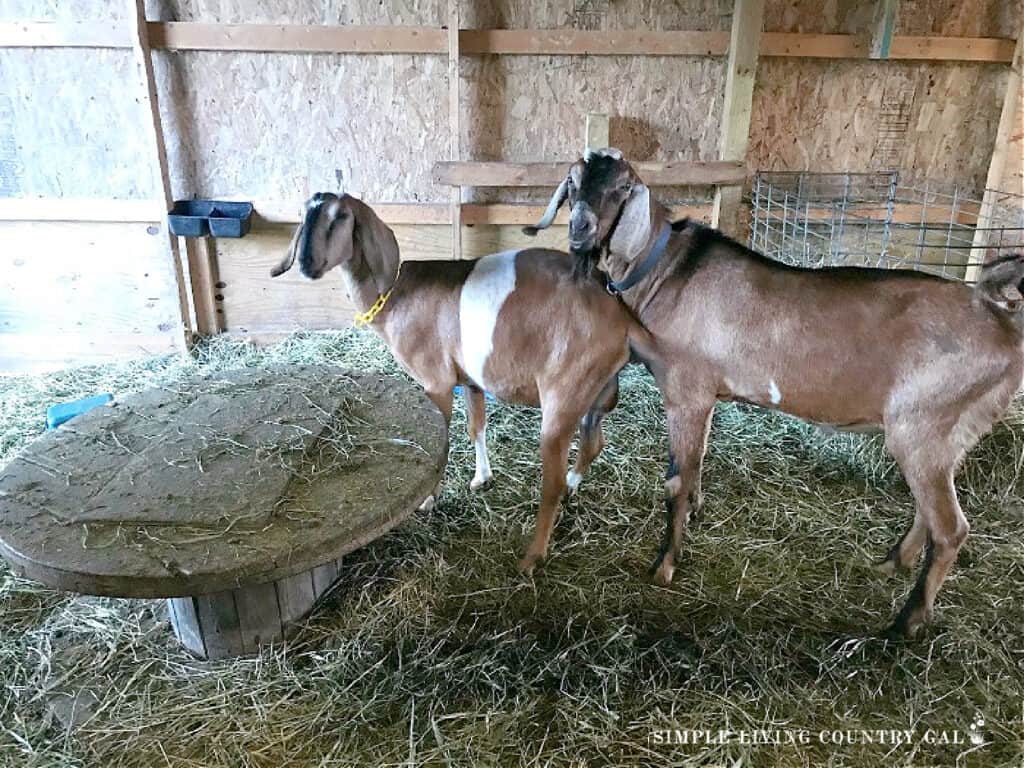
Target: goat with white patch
[(515, 324)]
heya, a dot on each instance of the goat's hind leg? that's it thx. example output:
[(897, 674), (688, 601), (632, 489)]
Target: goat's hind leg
[(591, 434), (905, 551), (929, 473), (476, 413)]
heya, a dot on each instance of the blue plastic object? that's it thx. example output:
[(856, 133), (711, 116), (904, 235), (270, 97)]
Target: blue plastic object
[(487, 395), (218, 218), (58, 414)]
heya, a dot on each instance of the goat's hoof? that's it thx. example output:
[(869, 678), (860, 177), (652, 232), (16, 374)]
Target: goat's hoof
[(573, 480), (886, 568), (428, 504), (479, 481), (527, 565), (663, 573)]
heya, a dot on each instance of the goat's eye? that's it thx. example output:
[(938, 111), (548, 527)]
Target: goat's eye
[(626, 188)]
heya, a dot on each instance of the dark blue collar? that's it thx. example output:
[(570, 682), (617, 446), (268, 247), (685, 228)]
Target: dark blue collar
[(638, 274)]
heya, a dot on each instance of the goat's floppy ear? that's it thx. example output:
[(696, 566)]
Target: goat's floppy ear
[(633, 229), (289, 256), (377, 243), (552, 210)]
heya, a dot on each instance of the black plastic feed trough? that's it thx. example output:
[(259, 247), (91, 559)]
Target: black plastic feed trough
[(217, 218)]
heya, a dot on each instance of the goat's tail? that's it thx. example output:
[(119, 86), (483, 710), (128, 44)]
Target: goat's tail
[(1002, 283)]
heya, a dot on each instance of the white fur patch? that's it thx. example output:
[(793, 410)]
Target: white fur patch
[(492, 280), (483, 464), (774, 393), (573, 480)]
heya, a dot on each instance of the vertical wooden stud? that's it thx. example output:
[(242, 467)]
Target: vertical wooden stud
[(883, 23), (595, 134), (1008, 127), (741, 69), (144, 65), (454, 124), (204, 276)]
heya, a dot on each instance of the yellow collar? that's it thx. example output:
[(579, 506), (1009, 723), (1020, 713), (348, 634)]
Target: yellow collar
[(363, 319)]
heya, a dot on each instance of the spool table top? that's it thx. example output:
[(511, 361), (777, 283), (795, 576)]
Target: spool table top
[(220, 481)]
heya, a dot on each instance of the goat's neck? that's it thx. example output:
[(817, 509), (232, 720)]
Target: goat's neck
[(619, 269), (361, 287)]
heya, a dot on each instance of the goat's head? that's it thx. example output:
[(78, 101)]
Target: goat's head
[(342, 231), (610, 206)]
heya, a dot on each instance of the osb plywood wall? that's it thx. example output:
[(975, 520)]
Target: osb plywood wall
[(277, 126), (273, 126)]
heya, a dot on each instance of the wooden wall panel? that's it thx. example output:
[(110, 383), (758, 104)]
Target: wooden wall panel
[(74, 290), (253, 303)]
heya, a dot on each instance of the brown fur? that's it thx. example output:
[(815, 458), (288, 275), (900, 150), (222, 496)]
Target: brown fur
[(930, 362), (557, 344)]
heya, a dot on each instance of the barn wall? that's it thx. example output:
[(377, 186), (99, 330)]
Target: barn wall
[(272, 126)]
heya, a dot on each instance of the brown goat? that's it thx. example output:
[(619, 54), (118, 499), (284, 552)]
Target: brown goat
[(515, 324), (931, 362)]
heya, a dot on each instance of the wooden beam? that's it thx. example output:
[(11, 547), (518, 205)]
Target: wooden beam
[(883, 23), (595, 134), (1008, 126), (575, 42), (296, 38), (454, 123), (148, 93), (72, 209), (51, 34), (744, 43), (488, 174)]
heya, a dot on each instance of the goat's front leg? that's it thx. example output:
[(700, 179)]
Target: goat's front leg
[(688, 427), (476, 412), (556, 431), (441, 397)]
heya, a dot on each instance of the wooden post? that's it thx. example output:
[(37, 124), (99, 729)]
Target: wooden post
[(204, 276), (454, 124), (144, 65), (744, 42), (883, 22), (1008, 126), (595, 135)]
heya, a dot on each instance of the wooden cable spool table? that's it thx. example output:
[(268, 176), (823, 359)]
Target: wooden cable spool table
[(233, 495)]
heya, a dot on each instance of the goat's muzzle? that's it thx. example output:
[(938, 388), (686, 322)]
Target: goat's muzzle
[(582, 228)]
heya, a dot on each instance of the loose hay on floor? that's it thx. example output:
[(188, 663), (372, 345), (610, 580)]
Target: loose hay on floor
[(433, 651)]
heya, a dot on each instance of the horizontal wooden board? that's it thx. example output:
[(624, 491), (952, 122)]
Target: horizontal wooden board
[(71, 209), (550, 42), (273, 212), (294, 38), (300, 38), (75, 291), (41, 352), (491, 174), (52, 34)]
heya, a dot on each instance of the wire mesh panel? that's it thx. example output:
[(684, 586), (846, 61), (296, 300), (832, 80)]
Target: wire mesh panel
[(874, 220)]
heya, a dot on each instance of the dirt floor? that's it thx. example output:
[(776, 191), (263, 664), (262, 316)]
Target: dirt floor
[(433, 651)]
